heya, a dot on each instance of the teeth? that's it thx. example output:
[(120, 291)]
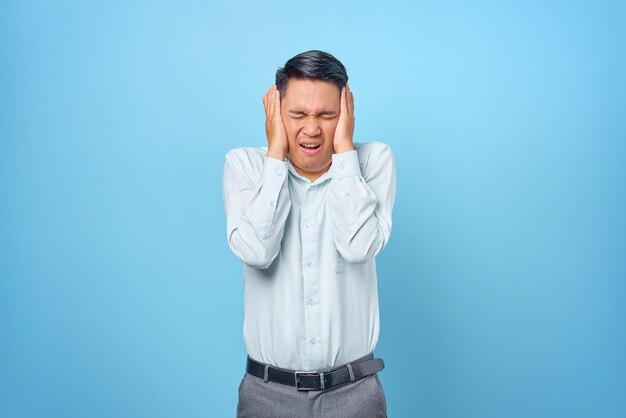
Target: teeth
[(310, 145)]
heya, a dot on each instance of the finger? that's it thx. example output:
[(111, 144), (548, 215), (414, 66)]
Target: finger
[(349, 99), (277, 102), (265, 103), (270, 102), (343, 106), (351, 103)]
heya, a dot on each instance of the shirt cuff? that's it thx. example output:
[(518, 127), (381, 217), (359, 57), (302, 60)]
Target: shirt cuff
[(274, 170), (345, 165)]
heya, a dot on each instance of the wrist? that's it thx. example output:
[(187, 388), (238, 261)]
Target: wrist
[(279, 154), (344, 147)]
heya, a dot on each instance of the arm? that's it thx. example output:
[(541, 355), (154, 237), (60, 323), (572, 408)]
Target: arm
[(257, 204), (256, 208), (360, 206)]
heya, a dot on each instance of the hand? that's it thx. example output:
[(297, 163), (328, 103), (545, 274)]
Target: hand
[(277, 144), (345, 127)]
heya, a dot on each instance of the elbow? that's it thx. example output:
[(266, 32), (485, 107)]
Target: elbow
[(259, 262), (356, 255), (257, 256), (355, 258), (359, 251)]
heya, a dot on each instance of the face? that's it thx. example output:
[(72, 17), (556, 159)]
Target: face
[(310, 112)]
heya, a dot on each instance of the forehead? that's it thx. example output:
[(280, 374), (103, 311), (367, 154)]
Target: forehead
[(311, 95)]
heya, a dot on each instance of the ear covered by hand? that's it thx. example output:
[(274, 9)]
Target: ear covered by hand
[(277, 144), (344, 132)]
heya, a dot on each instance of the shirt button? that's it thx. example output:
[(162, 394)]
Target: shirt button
[(314, 340), (347, 194), (341, 165), (308, 264), (311, 302), (307, 226), (272, 203), (267, 235)]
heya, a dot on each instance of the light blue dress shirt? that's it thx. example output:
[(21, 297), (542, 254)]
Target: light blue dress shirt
[(308, 248)]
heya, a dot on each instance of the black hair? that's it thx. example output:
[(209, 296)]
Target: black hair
[(312, 65)]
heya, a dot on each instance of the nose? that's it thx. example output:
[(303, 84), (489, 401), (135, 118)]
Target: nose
[(311, 126)]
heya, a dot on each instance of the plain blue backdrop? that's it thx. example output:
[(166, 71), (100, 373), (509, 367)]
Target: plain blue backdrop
[(502, 289)]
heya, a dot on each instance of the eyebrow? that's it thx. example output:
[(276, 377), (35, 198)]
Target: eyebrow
[(322, 113)]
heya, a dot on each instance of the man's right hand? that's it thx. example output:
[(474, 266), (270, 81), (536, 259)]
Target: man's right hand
[(277, 144)]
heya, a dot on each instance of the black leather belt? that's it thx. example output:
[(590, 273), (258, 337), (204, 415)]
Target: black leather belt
[(317, 380)]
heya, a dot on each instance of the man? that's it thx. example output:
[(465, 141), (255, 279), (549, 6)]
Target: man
[(307, 215)]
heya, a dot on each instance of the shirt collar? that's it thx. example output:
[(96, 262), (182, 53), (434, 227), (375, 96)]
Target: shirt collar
[(326, 176)]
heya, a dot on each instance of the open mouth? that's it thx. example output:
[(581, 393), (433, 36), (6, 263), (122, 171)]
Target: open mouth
[(310, 149)]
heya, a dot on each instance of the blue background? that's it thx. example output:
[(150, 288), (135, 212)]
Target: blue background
[(502, 290)]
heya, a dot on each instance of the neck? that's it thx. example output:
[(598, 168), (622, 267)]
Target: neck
[(312, 175)]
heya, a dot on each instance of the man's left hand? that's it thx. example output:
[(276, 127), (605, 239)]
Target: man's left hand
[(342, 141)]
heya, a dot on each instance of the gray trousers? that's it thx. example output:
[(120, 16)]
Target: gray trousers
[(363, 398)]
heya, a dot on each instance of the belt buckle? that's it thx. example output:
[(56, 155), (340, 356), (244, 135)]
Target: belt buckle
[(309, 374)]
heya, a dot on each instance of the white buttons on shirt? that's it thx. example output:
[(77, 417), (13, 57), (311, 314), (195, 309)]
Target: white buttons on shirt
[(272, 203), (305, 233)]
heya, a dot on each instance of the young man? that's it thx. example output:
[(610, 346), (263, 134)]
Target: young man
[(307, 215)]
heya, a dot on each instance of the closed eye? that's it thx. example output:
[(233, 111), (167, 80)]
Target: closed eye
[(324, 115)]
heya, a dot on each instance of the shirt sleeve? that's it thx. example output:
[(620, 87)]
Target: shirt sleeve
[(360, 204), (256, 207)]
